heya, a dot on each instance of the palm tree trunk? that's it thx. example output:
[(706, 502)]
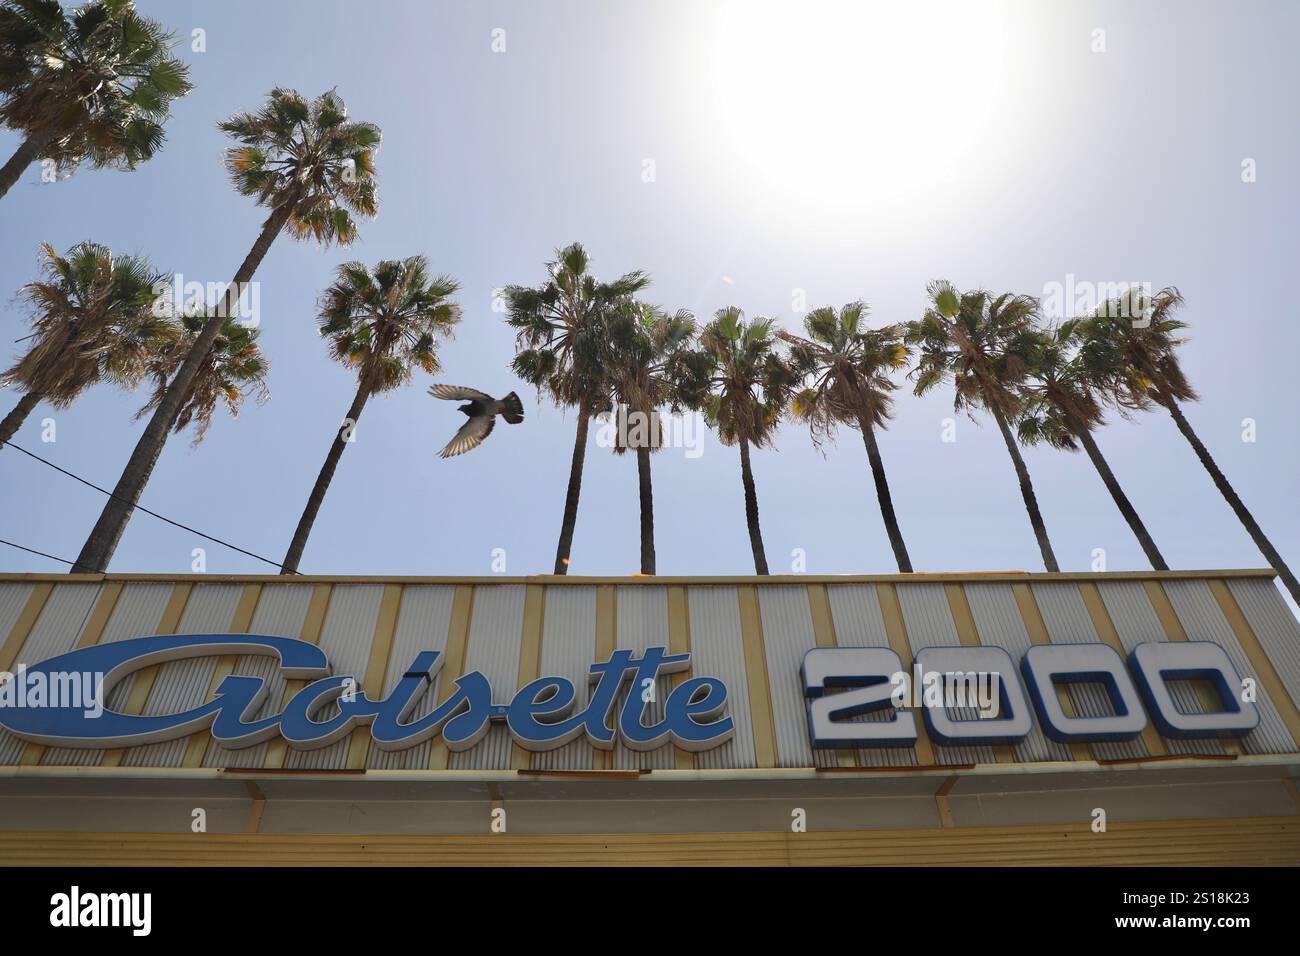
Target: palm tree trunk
[(1125, 506), (575, 490), (14, 420), (647, 510), (294, 555), (883, 496), (98, 550), (1238, 506), (751, 511), (26, 154), (1027, 491)]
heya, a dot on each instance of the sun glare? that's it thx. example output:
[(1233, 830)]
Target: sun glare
[(857, 102)]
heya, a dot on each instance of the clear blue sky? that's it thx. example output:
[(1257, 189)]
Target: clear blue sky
[(846, 154)]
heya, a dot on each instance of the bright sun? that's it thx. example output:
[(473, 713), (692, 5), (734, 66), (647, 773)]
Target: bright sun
[(858, 102)]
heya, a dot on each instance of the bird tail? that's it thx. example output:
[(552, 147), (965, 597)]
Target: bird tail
[(512, 409)]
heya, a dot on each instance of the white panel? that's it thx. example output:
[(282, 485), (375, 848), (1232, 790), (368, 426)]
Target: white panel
[(281, 612), (1068, 622), (13, 598), (999, 624), (138, 612), (929, 624), (642, 621), (1136, 622), (787, 636), (855, 609), (422, 624), (717, 650), (1203, 620), (182, 685), (1275, 628), (495, 633), (568, 651), (55, 632)]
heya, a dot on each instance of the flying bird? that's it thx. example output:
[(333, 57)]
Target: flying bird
[(482, 410)]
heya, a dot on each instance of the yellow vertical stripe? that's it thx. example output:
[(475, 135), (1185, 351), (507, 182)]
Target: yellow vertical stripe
[(760, 691), (530, 657), (1105, 629), (1174, 631), (27, 618), (606, 642), (679, 642), (968, 636), (144, 679), (896, 628), (381, 645), (277, 750), (90, 634), (1265, 673), (462, 610), (197, 748), (823, 621), (1036, 627)]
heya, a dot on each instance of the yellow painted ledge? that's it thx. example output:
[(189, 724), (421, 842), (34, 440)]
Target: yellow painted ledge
[(1254, 841)]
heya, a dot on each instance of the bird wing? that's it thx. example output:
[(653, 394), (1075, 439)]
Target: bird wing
[(470, 436), (458, 393)]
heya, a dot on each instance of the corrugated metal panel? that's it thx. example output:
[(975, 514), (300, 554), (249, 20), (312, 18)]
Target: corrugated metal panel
[(55, 632), (717, 651), (13, 598), (642, 620), (1203, 620), (422, 622), (568, 651), (495, 633), (1136, 622), (137, 613), (281, 611), (181, 685), (345, 638), (855, 610), (787, 636), (1067, 621), (929, 624), (998, 621), (1275, 628)]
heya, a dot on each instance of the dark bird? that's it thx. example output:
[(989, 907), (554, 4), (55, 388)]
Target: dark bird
[(482, 410)]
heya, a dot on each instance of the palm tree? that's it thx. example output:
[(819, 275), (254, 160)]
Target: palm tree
[(233, 368), (94, 320), (651, 365), (1138, 337), (750, 385), (979, 342), (314, 169), (850, 365), (96, 85), (382, 323), (560, 346), (1060, 405)]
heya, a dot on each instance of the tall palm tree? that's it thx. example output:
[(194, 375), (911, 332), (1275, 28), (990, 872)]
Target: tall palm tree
[(979, 343), (94, 86), (93, 320), (233, 369), (1138, 337), (384, 323), (750, 384), (851, 366), (651, 365), (1060, 405), (314, 169), (560, 341)]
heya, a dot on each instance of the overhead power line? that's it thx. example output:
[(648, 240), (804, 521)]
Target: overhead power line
[(34, 551), (137, 507)]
